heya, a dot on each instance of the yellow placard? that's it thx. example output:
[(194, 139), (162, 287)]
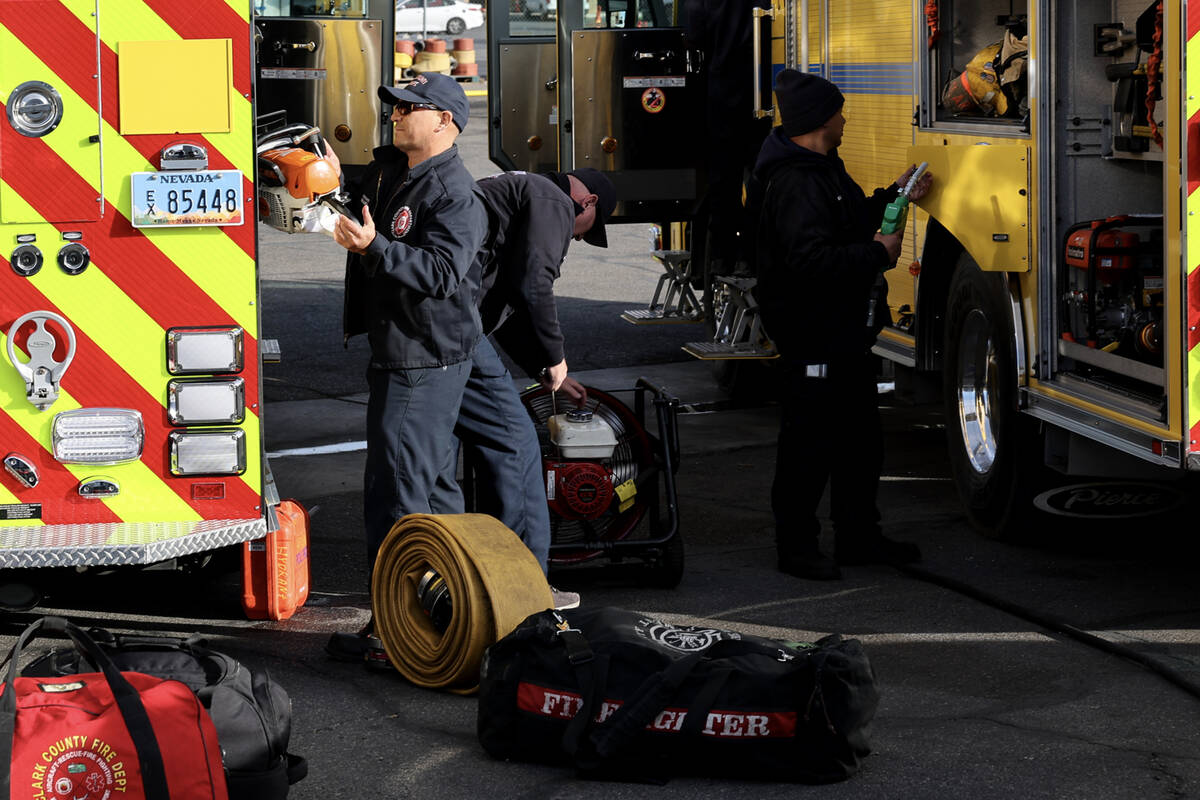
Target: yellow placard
[(181, 86)]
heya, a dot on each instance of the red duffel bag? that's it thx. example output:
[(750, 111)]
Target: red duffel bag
[(102, 735)]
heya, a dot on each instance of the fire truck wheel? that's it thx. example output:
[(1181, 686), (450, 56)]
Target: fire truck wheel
[(991, 446)]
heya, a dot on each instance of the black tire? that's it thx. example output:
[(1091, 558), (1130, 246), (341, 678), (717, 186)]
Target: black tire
[(455, 26), (995, 454), (666, 571)]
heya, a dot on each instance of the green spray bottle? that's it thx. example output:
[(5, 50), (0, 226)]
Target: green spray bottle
[(895, 215)]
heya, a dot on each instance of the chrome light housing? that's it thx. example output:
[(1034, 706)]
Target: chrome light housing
[(201, 402), (192, 351), (221, 451)]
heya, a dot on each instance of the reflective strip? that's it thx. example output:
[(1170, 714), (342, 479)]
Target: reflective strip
[(139, 22), (1191, 241), (219, 266), (144, 497)]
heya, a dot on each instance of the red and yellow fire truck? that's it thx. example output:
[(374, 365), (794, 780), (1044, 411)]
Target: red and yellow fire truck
[(130, 391)]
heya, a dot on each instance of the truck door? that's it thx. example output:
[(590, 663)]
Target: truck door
[(523, 81), (626, 98)]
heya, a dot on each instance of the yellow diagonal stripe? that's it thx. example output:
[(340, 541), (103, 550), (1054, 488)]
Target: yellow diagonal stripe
[(118, 326), (210, 258), (144, 497), (7, 498), (1193, 76), (140, 23)]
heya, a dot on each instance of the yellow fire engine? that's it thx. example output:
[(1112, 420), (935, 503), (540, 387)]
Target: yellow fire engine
[(1046, 282)]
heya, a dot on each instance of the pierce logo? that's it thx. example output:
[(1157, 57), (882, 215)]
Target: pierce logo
[(402, 222), (1108, 500)]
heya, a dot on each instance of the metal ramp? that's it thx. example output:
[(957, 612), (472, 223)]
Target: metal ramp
[(678, 301), (739, 330)]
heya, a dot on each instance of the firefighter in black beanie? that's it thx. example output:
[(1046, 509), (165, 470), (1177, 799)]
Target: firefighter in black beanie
[(817, 241)]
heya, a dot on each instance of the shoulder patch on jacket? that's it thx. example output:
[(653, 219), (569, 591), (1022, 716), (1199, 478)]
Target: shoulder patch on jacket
[(402, 223)]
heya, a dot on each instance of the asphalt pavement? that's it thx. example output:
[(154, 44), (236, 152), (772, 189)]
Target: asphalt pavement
[(986, 696)]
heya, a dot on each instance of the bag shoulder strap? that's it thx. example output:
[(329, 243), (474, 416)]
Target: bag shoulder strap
[(129, 703)]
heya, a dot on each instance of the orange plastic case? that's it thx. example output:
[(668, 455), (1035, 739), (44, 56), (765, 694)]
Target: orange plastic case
[(275, 569)]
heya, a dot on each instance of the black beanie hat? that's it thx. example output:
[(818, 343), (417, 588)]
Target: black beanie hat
[(806, 101)]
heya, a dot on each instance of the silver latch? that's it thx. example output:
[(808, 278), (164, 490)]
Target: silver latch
[(99, 487), (42, 372), (21, 468)]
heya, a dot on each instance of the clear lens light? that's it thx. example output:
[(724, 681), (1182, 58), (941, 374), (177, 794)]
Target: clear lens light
[(203, 350), (206, 402), (216, 452), (98, 436)]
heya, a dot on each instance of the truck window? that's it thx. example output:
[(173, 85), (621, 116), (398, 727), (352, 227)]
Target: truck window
[(976, 63), (321, 8)]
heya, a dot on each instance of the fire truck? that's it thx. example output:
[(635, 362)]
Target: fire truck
[(1047, 289), (131, 385)]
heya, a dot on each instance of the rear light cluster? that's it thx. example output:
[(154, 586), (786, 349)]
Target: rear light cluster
[(194, 402)]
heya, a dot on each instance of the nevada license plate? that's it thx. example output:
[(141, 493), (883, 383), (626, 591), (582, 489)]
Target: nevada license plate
[(202, 197)]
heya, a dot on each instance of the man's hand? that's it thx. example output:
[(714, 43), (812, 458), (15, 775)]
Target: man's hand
[(921, 188), (892, 242), (575, 391), (552, 377), (357, 238), (332, 159)]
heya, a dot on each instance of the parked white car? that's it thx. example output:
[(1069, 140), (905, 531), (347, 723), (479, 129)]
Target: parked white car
[(436, 16)]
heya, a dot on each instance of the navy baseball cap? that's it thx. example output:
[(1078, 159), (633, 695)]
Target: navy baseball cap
[(435, 89), (597, 183)]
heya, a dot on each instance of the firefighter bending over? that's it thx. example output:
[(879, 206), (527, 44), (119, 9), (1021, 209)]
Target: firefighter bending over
[(818, 239), (532, 219)]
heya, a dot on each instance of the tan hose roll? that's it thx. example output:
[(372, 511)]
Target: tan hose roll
[(494, 583)]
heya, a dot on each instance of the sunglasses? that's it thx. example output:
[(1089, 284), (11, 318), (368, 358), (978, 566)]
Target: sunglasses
[(405, 108)]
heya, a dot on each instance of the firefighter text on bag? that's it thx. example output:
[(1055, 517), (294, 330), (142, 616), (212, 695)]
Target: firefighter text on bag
[(104, 734), (252, 714), (625, 696)]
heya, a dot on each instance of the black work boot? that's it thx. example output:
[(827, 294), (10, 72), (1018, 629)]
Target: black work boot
[(874, 549), (803, 559), (351, 646)]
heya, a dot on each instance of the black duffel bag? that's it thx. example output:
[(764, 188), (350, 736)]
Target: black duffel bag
[(624, 696), (252, 713)]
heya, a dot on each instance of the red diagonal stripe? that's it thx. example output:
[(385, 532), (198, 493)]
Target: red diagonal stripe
[(151, 280), (57, 489), (94, 379), (192, 20), (58, 38), (1193, 301), (1193, 19)]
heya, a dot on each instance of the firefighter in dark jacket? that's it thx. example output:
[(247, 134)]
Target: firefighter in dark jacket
[(407, 288), (532, 219), (820, 273)]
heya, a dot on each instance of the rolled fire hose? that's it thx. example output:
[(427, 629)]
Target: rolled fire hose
[(494, 583)]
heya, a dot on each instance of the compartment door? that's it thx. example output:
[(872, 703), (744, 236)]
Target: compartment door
[(523, 81), (50, 132), (636, 112)]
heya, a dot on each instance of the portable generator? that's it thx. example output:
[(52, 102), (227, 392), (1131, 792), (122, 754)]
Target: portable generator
[(298, 190), (605, 474), (1113, 286)]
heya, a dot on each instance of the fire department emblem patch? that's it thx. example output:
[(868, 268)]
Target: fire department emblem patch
[(684, 638), (402, 222), (80, 772)]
